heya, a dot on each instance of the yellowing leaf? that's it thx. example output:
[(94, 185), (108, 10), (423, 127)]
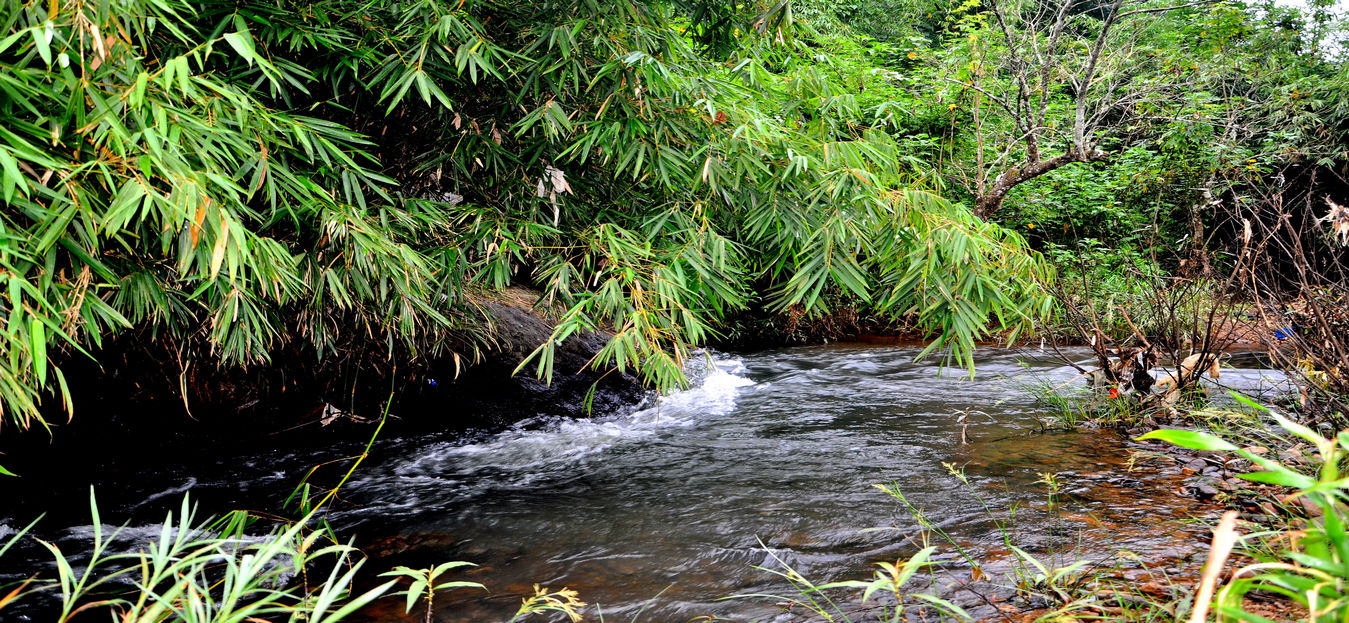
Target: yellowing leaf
[(218, 254)]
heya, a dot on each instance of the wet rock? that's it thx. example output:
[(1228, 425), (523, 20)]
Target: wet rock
[(1201, 487), (490, 393), (1205, 489), (1258, 518)]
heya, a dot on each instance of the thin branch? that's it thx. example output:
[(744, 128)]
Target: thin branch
[(1164, 8), (1000, 102)]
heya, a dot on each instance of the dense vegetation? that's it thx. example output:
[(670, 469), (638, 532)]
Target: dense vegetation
[(233, 180), (337, 179), (340, 184)]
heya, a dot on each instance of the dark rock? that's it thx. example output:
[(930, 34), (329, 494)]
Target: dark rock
[(491, 394)]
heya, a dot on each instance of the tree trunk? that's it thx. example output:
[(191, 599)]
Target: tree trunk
[(990, 201)]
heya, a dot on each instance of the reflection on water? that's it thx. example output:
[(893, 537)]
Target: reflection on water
[(776, 450)]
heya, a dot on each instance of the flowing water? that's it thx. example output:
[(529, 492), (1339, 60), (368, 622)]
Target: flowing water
[(769, 459)]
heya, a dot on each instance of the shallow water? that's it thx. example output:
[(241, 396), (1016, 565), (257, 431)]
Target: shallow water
[(773, 456), (769, 458)]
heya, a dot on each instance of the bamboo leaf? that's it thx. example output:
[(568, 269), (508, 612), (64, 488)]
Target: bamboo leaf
[(37, 333)]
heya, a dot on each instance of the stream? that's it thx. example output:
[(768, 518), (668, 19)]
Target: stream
[(768, 459)]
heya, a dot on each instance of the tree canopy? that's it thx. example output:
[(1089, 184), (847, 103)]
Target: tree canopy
[(236, 178), (341, 178)]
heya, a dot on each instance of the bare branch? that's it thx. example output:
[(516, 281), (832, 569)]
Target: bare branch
[(1165, 8), (998, 100)]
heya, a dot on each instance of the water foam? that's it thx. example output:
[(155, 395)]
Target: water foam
[(542, 448), (536, 443)]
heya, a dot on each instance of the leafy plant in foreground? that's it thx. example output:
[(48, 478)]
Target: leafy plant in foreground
[(209, 572), (890, 578), (1313, 570), (425, 583), (565, 601)]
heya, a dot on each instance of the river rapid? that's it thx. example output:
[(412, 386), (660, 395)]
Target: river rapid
[(768, 459)]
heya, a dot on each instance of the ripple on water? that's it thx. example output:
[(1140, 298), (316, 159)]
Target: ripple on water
[(770, 460), (769, 457)]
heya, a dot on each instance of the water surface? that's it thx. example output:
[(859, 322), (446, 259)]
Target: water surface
[(770, 458)]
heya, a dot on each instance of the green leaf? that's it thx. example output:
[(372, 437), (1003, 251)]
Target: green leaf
[(358, 602), (1194, 440), (43, 44), (414, 592), (37, 334), (1281, 478), (943, 604), (446, 566), (1299, 430), (242, 42), (10, 177)]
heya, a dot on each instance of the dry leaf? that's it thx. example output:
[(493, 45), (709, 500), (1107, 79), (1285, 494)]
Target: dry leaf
[(558, 180), (1223, 539), (1338, 219), (195, 230)]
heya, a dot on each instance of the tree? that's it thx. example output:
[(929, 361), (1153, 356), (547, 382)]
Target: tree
[(1053, 83), (334, 178)]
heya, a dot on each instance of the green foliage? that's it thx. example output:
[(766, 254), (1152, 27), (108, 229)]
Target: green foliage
[(240, 178), (1189, 108), (889, 578), (899, 22), (1109, 287), (424, 584), (208, 572), (149, 184), (1073, 405), (1309, 566), (1137, 201)]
